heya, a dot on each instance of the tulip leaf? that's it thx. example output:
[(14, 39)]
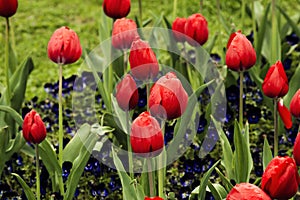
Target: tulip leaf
[(217, 190), (120, 115), (293, 86), (228, 186), (13, 62), (13, 113), (294, 26), (79, 163), (29, 194), (204, 181), (267, 154), (129, 192)]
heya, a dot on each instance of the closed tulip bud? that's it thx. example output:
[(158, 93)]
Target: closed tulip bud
[(153, 198), (168, 99), (280, 179), (127, 93), (296, 150), (295, 105), (124, 33), (146, 136), (178, 28), (64, 46), (116, 8), (247, 191), (8, 7), (143, 62), (196, 29), (34, 130), (276, 83), (285, 114), (240, 53)]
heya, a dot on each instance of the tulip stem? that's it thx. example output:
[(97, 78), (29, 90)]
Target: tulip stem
[(243, 7), (141, 11), (161, 169), (241, 112), (125, 61), (275, 128), (7, 76), (130, 161), (148, 94), (174, 9), (60, 124), (37, 169), (150, 177)]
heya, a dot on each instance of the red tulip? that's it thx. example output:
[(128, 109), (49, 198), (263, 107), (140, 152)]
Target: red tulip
[(196, 29), (127, 93), (34, 130), (276, 83), (178, 28), (153, 198), (240, 53), (295, 105), (285, 114), (124, 33), (143, 62), (116, 8), (64, 46), (8, 7), (296, 149), (146, 135), (280, 179), (168, 99), (247, 191)]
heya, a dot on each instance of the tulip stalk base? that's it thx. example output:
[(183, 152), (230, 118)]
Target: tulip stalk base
[(275, 128), (7, 61), (38, 182)]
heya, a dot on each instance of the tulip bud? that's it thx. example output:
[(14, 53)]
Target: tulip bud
[(34, 130), (143, 62), (296, 150), (178, 28), (124, 33), (8, 7), (146, 135), (276, 83), (295, 105), (116, 8), (64, 46), (285, 114), (153, 198), (247, 191), (280, 179), (196, 29), (168, 99), (127, 93), (240, 53)]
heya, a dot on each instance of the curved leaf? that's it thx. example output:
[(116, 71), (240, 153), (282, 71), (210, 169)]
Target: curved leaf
[(29, 194)]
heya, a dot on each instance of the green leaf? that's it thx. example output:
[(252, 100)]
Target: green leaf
[(29, 194), (129, 192), (13, 61), (228, 186), (293, 86), (267, 154), (227, 159), (294, 26), (217, 190), (13, 113), (120, 114), (204, 181)]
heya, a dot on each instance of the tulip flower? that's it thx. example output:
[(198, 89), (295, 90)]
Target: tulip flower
[(196, 29), (285, 114), (168, 99), (247, 191), (116, 8), (178, 28), (295, 105), (280, 179), (124, 33), (8, 7), (34, 130), (146, 135), (64, 46), (296, 150), (142, 59), (127, 93), (276, 82), (240, 54), (153, 198)]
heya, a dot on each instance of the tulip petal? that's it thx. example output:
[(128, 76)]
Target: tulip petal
[(285, 114)]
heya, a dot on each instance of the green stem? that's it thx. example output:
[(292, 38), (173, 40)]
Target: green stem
[(254, 25), (274, 47), (241, 112), (130, 160), (201, 5), (243, 13), (275, 128), (161, 168), (125, 59), (141, 11), (60, 124), (174, 9), (148, 94), (7, 76), (150, 177), (298, 131), (38, 182)]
